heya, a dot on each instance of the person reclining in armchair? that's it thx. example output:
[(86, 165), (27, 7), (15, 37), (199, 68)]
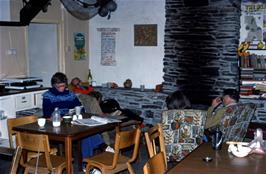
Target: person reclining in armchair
[(219, 106), (79, 87)]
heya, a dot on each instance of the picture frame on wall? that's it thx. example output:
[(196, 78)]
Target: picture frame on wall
[(145, 34)]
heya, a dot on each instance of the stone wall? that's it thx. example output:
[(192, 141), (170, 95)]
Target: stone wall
[(148, 103), (201, 48)]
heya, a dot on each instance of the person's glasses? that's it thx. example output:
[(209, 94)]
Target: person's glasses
[(60, 85)]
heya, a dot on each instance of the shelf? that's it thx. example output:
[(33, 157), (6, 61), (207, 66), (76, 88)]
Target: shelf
[(256, 49)]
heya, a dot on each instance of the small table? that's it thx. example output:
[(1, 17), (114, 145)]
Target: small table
[(222, 162), (66, 133)]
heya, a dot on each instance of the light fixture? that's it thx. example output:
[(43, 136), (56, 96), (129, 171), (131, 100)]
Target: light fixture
[(105, 7)]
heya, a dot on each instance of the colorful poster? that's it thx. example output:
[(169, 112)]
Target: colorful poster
[(108, 46), (79, 46), (253, 22)]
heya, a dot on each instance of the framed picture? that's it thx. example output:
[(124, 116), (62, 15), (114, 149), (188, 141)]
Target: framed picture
[(145, 35)]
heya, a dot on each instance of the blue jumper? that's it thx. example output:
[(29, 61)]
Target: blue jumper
[(64, 101)]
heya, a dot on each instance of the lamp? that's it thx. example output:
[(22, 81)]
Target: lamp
[(104, 7)]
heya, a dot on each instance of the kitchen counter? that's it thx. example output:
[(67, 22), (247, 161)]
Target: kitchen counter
[(15, 91)]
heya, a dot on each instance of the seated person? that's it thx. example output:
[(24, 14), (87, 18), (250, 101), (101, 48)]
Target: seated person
[(219, 105), (59, 96), (177, 100), (78, 87), (91, 102), (112, 107)]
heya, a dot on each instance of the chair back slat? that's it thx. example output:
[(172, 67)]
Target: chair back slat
[(125, 139), (155, 141), (155, 164)]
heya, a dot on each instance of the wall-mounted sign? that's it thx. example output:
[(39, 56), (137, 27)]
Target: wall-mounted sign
[(108, 46)]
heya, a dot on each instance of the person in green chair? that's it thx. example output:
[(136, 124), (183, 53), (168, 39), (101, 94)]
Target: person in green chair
[(219, 106)]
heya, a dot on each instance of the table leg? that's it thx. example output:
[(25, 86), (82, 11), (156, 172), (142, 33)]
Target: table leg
[(79, 156), (68, 154)]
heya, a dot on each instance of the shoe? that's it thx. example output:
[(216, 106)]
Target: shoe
[(109, 149), (95, 171), (84, 167)]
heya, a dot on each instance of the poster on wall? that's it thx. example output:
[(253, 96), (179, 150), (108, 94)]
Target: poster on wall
[(79, 46), (253, 23), (145, 35), (108, 46)]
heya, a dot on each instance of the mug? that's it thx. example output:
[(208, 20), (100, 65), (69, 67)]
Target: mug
[(41, 122), (77, 110)]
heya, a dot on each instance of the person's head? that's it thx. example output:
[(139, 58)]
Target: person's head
[(109, 106), (75, 81), (96, 95), (230, 96), (59, 81), (177, 100)]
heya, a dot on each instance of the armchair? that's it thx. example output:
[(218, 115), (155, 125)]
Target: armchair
[(183, 131), (235, 121)]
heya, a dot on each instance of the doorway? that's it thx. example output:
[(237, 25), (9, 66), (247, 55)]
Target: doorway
[(43, 51)]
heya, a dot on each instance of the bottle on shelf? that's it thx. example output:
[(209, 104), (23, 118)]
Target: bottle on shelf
[(56, 117), (90, 78)]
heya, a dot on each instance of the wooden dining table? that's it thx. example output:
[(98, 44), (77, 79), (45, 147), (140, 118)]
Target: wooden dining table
[(222, 162), (66, 133)]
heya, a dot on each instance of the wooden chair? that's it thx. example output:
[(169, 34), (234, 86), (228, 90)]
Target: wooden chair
[(110, 163), (20, 121), (15, 160), (12, 122), (44, 163), (155, 141), (155, 165)]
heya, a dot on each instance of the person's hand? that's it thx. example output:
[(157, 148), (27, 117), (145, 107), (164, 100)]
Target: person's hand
[(216, 101)]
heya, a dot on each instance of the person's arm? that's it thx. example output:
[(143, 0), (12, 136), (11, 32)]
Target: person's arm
[(214, 119)]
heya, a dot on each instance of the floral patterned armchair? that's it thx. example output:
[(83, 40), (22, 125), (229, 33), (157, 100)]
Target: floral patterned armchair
[(235, 121), (183, 131)]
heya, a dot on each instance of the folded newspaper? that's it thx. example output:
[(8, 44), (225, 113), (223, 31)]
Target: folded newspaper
[(95, 121)]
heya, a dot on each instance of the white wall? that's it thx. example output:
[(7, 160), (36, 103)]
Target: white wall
[(143, 65)]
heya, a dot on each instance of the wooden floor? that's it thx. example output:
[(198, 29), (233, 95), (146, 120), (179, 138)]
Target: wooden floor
[(5, 162)]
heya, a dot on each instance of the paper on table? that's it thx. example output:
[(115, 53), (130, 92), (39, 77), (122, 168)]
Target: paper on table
[(87, 122), (105, 119), (95, 121)]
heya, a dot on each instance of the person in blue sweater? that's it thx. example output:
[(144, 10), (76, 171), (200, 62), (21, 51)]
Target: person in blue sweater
[(59, 96)]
